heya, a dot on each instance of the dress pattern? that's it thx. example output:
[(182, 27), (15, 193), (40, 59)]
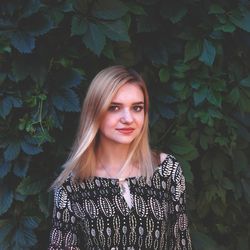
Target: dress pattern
[(93, 215)]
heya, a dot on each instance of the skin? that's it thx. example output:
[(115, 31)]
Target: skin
[(121, 124)]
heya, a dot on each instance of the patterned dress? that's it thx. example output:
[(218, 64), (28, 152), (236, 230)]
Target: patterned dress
[(94, 215)]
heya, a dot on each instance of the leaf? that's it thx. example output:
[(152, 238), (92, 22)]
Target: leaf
[(242, 20), (12, 151), (214, 98), (186, 167), (67, 101), (147, 24), (31, 186), (136, 9), (115, 30), (30, 222), (30, 7), (200, 95), (181, 145), (228, 27), (245, 82), (44, 203), (24, 238), (78, 26), (23, 41), (165, 111), (208, 53), (164, 75), (6, 227), (20, 168), (30, 149), (109, 9), (4, 168), (5, 107), (234, 95), (37, 24), (7, 103), (227, 184), (193, 49), (6, 198), (94, 39), (108, 51), (174, 11), (21, 68), (156, 53), (215, 9), (203, 241)]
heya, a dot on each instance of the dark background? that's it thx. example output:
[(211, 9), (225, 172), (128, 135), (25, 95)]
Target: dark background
[(194, 56)]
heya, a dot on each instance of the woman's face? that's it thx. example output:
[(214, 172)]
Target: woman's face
[(124, 118)]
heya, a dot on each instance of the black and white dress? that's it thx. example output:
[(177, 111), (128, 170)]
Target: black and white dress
[(94, 215)]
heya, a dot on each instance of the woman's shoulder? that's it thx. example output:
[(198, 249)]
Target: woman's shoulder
[(169, 166), (69, 185)]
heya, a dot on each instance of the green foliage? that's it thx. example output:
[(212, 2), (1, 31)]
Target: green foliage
[(194, 56)]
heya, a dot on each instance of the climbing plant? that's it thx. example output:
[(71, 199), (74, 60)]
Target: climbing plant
[(194, 56)]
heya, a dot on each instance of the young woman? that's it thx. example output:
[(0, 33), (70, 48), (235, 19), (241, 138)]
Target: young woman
[(114, 193)]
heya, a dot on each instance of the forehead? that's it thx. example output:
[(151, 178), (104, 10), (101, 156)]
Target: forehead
[(129, 92)]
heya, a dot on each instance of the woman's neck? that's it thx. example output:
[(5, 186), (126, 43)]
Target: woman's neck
[(111, 158)]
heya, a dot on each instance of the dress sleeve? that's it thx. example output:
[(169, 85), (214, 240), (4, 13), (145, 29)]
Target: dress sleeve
[(65, 230), (180, 230)]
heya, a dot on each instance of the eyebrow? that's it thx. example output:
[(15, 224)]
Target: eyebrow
[(134, 103)]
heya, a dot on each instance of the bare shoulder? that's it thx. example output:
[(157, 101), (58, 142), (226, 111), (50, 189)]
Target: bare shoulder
[(163, 156)]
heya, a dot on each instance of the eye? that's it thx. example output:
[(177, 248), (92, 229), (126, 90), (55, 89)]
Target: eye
[(113, 108), (138, 108)]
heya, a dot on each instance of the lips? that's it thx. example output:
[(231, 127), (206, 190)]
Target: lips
[(125, 130)]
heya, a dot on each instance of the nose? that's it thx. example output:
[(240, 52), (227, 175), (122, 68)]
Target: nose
[(127, 117)]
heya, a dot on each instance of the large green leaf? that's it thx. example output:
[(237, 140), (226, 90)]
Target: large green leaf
[(245, 82), (24, 238), (7, 104), (23, 41), (175, 11), (115, 30), (78, 26), (241, 19), (193, 49), (30, 222), (109, 9), (164, 75), (200, 95), (208, 53), (4, 168), (203, 241), (30, 149), (5, 228), (6, 198), (181, 145), (31, 186), (37, 24), (66, 100), (94, 39), (215, 8), (12, 151)]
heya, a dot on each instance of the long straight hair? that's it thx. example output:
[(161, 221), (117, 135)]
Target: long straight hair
[(81, 163)]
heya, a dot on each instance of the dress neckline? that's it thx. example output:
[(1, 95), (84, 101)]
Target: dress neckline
[(130, 177)]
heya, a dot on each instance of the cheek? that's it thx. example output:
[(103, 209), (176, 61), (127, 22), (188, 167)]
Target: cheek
[(107, 122), (140, 120)]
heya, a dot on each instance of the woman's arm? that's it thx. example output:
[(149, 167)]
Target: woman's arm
[(65, 229), (180, 228)]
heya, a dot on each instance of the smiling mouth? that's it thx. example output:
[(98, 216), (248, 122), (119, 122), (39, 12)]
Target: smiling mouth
[(126, 130)]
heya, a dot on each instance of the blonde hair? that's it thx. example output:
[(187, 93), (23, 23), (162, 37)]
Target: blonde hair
[(82, 160)]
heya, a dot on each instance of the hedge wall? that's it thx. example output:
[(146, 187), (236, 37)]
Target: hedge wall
[(195, 57)]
